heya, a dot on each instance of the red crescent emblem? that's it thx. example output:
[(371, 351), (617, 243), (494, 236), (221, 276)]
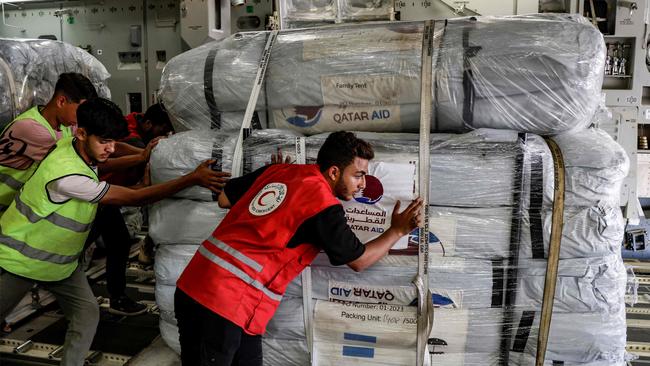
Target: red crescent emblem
[(259, 201)]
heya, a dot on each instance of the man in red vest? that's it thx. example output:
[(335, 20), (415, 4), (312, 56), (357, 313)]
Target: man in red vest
[(281, 216)]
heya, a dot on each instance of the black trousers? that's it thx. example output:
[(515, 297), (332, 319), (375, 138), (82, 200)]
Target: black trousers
[(109, 223), (208, 339)]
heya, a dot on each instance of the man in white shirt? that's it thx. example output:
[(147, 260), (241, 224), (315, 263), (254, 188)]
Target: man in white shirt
[(42, 233)]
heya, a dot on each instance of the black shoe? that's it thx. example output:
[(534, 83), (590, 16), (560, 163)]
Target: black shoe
[(125, 306)]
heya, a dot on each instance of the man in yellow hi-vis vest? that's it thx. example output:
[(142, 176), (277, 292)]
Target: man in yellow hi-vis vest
[(43, 231), (29, 137)]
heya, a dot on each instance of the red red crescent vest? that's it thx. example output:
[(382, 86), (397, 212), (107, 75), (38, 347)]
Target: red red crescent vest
[(242, 270)]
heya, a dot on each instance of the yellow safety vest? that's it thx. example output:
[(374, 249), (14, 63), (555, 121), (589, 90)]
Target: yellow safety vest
[(41, 239), (12, 179)]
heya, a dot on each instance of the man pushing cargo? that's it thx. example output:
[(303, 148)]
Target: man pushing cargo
[(281, 217), (43, 231)]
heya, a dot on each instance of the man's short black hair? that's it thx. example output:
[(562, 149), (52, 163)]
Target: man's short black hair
[(158, 116), (75, 87), (102, 118), (340, 149)]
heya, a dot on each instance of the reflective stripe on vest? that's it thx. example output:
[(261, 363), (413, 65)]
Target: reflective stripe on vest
[(242, 274), (238, 272), (12, 179), (40, 239), (55, 218), (34, 253), (235, 253)]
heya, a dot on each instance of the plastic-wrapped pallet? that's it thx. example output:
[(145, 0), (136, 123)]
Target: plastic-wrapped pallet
[(170, 262), (261, 144), (583, 285), (178, 225), (538, 73), (385, 333), (475, 178), (506, 175), (182, 221), (29, 69), (181, 153), (307, 13), (295, 353)]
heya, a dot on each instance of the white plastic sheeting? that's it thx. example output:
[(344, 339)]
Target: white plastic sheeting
[(29, 69), (536, 73)]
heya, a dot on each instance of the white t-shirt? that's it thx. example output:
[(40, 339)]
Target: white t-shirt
[(76, 186)]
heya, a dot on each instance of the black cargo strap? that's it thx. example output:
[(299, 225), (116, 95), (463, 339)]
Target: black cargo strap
[(535, 209), (468, 77), (208, 88), (523, 331), (498, 282), (217, 155)]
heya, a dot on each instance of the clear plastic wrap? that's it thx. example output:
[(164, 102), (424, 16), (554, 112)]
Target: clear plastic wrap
[(182, 221), (386, 334), (584, 284), (181, 153), (486, 186), (29, 69), (537, 73), (309, 10), (483, 183), (298, 13), (170, 262)]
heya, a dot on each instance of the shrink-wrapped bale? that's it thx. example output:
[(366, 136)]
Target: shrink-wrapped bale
[(29, 69), (181, 153), (283, 352), (484, 185), (537, 73), (280, 352), (388, 332), (583, 284), (170, 262), (181, 221), (261, 144)]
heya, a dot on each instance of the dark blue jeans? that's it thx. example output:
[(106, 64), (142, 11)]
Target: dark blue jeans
[(208, 339)]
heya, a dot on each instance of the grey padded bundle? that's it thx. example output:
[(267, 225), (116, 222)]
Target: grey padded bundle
[(295, 353), (29, 69), (472, 189), (574, 337), (537, 73), (181, 153), (476, 233), (170, 262), (583, 285), (182, 221)]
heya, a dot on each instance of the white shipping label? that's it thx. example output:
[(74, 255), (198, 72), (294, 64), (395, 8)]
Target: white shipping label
[(363, 332), (360, 90), (375, 325), (398, 295), (334, 118), (393, 326), (360, 43), (369, 213), (345, 291)]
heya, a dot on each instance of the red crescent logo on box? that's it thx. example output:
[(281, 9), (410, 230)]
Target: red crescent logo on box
[(268, 199)]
